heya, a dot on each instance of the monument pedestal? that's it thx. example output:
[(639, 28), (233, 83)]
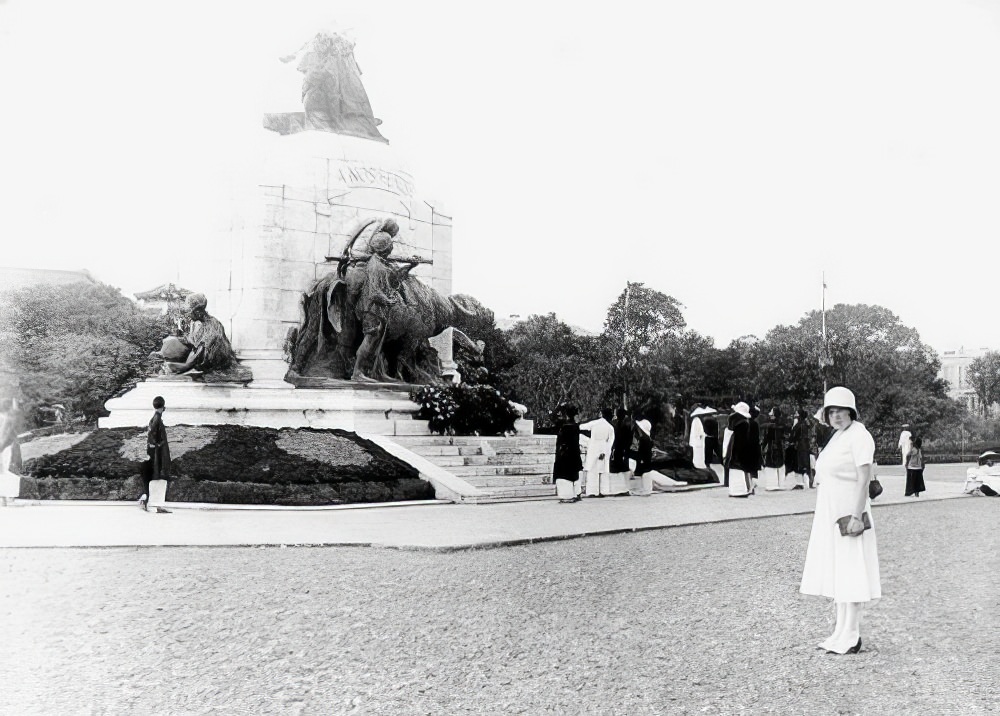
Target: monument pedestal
[(267, 365), (302, 203), (370, 408)]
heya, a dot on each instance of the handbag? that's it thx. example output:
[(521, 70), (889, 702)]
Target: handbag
[(842, 523), (874, 488)]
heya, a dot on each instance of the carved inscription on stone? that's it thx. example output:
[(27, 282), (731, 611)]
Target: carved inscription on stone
[(355, 176)]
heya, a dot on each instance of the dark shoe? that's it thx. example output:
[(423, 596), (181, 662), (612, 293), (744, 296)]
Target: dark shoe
[(566, 502), (163, 511), (856, 648), (798, 487)]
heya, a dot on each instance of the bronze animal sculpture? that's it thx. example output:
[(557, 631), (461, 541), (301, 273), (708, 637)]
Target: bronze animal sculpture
[(371, 320)]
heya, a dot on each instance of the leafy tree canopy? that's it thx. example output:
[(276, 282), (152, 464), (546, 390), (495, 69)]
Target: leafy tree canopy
[(636, 326), (892, 373), (640, 317), (984, 377), (554, 365), (76, 345)]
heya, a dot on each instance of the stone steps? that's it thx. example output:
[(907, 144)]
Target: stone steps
[(519, 494), (492, 481), (516, 441), (540, 470), (505, 468), (526, 450)]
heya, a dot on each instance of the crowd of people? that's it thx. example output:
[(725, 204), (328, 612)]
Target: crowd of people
[(756, 445), (618, 454), (763, 446), (750, 445), (831, 450)]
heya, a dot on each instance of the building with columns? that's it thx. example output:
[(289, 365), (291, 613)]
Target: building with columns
[(954, 369)]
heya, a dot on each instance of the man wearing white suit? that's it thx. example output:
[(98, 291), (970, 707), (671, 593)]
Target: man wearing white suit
[(598, 460)]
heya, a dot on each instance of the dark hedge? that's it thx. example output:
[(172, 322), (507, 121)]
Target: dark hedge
[(241, 465)]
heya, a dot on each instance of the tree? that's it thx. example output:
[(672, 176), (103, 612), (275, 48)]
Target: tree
[(691, 364), (640, 317), (636, 322), (892, 373), (745, 357), (554, 365), (984, 377), (77, 345)]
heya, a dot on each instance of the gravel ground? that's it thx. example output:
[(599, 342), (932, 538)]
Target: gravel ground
[(693, 620)]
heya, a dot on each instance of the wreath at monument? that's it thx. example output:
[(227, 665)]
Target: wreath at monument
[(465, 409)]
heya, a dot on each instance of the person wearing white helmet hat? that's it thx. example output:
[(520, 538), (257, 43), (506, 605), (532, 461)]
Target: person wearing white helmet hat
[(905, 442), (697, 437), (741, 455), (842, 563)]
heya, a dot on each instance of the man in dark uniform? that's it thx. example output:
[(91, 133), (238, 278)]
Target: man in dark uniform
[(157, 467)]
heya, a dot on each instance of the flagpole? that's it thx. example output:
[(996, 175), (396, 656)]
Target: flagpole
[(628, 291), (824, 333)]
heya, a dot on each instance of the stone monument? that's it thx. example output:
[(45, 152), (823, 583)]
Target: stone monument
[(322, 175), (328, 205)]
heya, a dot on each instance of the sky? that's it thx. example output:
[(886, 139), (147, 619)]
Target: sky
[(728, 153)]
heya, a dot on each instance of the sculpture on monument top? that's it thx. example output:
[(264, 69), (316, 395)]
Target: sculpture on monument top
[(332, 93), (371, 319), (204, 349)]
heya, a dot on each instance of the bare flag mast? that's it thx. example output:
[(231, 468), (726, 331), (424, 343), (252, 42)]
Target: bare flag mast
[(824, 354)]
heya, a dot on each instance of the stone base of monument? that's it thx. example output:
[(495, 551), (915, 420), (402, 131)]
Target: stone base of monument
[(375, 408), (380, 412)]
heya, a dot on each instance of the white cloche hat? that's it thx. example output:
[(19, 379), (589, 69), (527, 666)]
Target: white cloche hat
[(839, 397), (742, 408)]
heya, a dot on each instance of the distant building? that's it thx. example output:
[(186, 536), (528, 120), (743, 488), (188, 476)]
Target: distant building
[(162, 299), (955, 369), (14, 278)]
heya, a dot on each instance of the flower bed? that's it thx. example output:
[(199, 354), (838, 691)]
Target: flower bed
[(229, 464)]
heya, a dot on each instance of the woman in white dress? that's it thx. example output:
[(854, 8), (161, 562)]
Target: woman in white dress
[(697, 438), (843, 567)]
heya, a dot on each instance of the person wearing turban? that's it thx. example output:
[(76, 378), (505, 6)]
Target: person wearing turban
[(210, 349)]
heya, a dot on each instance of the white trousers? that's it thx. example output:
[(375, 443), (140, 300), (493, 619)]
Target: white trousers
[(642, 485), (773, 477), (737, 483), (565, 490), (617, 483), (597, 483), (606, 483), (157, 493), (10, 482)]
